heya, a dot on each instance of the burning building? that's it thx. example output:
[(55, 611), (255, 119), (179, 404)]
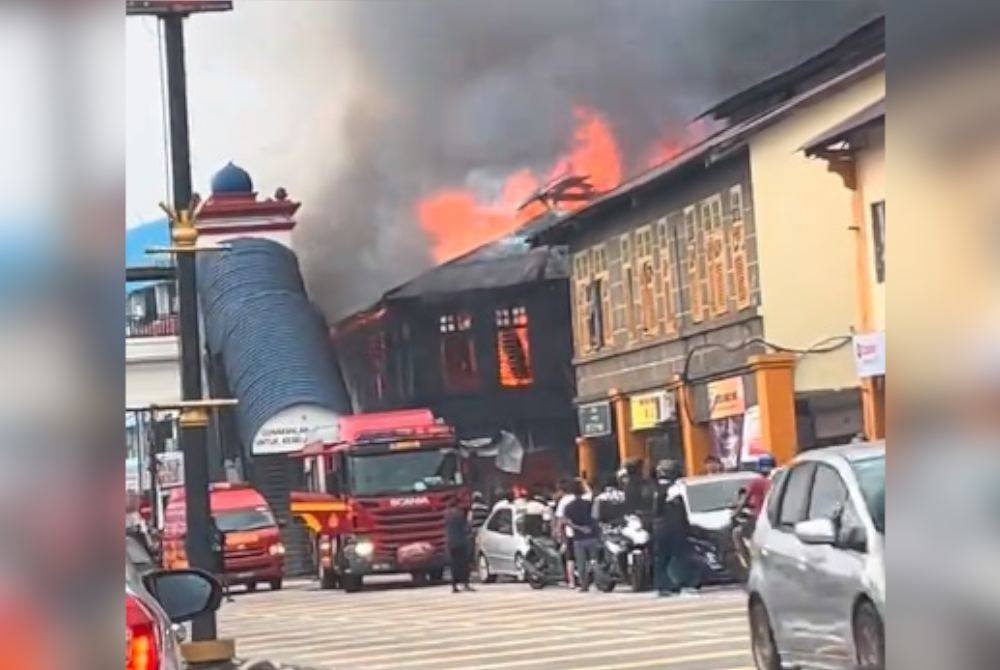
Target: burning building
[(484, 341)]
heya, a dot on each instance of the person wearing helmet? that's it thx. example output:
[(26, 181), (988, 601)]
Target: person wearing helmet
[(670, 529)]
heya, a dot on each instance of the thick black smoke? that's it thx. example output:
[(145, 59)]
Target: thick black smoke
[(462, 92)]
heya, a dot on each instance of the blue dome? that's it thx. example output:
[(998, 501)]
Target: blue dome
[(231, 179)]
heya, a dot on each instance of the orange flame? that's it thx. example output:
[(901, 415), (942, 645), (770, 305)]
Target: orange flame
[(456, 221)]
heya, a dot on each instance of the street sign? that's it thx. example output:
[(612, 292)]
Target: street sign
[(170, 469), (595, 419)]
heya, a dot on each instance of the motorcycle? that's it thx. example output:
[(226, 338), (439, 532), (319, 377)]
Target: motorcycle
[(543, 562), (625, 556)]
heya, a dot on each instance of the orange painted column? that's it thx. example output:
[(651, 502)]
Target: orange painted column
[(873, 407), (587, 462), (629, 444), (774, 376), (695, 437)]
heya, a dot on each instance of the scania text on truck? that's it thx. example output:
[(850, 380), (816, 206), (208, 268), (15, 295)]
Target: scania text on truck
[(377, 497)]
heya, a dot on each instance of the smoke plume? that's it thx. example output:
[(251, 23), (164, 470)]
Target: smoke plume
[(462, 93)]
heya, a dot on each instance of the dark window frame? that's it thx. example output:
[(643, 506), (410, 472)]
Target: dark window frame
[(780, 525)]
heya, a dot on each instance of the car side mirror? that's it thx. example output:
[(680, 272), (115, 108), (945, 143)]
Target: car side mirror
[(184, 594), (816, 531)]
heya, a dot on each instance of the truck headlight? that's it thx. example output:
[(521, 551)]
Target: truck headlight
[(364, 548), (276, 549)]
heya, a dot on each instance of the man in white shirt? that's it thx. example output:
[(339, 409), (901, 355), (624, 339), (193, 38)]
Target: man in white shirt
[(564, 529)]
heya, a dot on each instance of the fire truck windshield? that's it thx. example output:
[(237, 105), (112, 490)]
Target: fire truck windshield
[(403, 472)]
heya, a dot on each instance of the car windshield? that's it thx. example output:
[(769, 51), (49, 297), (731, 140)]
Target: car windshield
[(535, 525), (714, 495), (403, 472), (243, 519), (870, 473)]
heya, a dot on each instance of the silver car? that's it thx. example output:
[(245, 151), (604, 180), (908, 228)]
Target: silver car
[(156, 603), (817, 578), (502, 542)]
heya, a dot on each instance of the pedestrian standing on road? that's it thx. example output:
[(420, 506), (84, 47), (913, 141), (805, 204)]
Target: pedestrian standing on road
[(670, 532), (458, 535), (579, 517), (478, 511)]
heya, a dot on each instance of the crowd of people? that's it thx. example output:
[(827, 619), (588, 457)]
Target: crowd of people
[(578, 512)]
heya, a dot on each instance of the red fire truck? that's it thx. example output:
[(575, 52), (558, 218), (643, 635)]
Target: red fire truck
[(377, 497)]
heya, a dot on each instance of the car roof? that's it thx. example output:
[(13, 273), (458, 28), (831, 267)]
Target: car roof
[(856, 451), (719, 477)]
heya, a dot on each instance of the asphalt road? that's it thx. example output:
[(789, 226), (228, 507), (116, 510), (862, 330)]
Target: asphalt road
[(504, 626)]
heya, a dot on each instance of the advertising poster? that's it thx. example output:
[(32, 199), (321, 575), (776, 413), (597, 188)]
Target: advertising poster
[(753, 442)]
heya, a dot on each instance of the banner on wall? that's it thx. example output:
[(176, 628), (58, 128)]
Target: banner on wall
[(753, 440), (726, 398)]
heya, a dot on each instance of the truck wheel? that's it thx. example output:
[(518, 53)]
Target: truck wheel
[(352, 583), (276, 584)]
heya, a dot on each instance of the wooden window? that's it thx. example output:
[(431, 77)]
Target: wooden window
[(665, 243), (581, 283), (878, 238), (692, 265), (715, 254), (513, 347), (738, 249), (629, 281), (458, 352), (646, 281), (601, 296)]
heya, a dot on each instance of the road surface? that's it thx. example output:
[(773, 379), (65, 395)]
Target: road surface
[(504, 626)]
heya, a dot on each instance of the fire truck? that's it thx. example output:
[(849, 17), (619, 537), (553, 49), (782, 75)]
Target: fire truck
[(376, 497)]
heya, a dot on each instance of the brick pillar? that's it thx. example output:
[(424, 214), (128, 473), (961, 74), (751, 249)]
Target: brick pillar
[(696, 438), (774, 376), (586, 451)]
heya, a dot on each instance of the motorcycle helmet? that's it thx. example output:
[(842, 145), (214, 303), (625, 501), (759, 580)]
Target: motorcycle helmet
[(765, 464), (668, 469)]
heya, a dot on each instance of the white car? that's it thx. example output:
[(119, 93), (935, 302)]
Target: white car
[(708, 498), (502, 542), (817, 575)]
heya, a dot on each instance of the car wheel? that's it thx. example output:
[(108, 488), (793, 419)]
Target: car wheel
[(765, 651), (352, 583), (275, 584), (869, 638), (484, 570), (519, 567)]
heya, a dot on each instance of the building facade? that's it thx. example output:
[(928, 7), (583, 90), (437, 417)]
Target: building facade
[(712, 301), (484, 342)]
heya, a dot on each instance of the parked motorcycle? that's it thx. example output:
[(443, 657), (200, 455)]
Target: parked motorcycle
[(625, 556), (543, 562)]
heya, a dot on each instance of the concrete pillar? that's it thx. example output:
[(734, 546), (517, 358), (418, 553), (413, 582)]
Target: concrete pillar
[(873, 407), (629, 444), (586, 451), (696, 438), (774, 376)]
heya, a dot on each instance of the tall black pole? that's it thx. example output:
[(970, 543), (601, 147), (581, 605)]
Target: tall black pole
[(192, 426)]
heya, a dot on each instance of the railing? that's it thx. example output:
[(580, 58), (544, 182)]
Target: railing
[(168, 325)]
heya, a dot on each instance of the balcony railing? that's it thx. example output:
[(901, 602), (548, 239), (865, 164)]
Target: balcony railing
[(167, 325)]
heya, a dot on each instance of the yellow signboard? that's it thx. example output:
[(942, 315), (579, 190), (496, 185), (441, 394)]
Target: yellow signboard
[(725, 398), (648, 410)]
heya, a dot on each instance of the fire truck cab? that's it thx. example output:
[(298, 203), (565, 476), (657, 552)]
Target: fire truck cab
[(377, 497)]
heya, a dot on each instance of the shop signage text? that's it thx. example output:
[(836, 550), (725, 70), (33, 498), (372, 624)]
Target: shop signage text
[(869, 353), (595, 419), (651, 409), (725, 398)]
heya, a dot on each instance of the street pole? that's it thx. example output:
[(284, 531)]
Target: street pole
[(192, 424)]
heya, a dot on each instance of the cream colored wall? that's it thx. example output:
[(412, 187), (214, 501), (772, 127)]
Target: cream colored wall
[(804, 245), (871, 179)]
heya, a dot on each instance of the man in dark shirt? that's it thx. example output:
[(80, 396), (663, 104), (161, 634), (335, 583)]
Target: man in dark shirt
[(579, 516), (457, 535), (670, 531)]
